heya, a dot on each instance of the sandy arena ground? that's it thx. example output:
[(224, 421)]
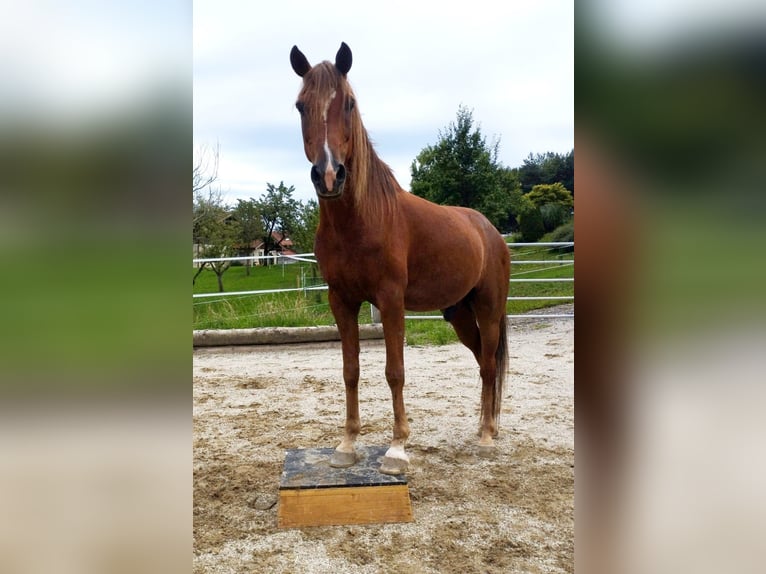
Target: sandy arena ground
[(510, 513)]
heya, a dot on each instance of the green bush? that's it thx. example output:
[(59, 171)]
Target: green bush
[(562, 233), (531, 225), (554, 215)]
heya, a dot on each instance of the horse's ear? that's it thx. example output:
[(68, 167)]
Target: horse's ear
[(343, 59), (299, 62)]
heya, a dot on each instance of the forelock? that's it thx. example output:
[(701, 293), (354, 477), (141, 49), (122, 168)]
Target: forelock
[(319, 83)]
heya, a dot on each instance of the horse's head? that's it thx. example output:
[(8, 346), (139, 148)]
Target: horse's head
[(327, 107)]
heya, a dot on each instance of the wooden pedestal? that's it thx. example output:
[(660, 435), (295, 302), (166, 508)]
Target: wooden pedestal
[(312, 493)]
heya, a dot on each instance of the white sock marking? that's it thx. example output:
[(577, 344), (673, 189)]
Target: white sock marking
[(397, 452)]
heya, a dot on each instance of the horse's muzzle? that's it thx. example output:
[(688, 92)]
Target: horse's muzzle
[(329, 184)]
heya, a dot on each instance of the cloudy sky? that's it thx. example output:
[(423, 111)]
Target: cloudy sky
[(414, 64)]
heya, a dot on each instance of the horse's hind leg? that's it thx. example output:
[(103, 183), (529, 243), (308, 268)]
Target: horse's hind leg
[(483, 343), (490, 336), (346, 317), (463, 320), (492, 365)]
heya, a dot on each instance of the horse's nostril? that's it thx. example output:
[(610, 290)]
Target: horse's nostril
[(315, 177), (340, 173)]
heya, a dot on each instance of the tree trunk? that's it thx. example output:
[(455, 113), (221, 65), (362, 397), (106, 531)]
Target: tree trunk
[(220, 282), (197, 274)]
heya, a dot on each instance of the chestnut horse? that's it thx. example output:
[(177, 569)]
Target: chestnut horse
[(378, 243)]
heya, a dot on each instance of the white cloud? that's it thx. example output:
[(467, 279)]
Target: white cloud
[(414, 64)]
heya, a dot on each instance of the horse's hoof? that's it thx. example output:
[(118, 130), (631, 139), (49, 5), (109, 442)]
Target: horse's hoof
[(340, 459), (485, 451), (393, 465)]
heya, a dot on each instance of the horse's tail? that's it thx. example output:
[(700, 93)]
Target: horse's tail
[(501, 364)]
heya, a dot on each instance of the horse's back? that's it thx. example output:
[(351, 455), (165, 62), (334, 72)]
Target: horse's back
[(451, 228), (452, 250)]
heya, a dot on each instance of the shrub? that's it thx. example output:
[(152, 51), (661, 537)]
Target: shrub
[(554, 215), (562, 233), (531, 225)]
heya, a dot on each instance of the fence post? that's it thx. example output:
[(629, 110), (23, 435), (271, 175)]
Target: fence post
[(374, 314)]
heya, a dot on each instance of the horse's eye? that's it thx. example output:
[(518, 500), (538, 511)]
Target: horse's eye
[(350, 103), (301, 107)]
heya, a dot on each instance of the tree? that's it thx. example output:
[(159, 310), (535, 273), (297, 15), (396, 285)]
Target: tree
[(303, 237), (530, 221), (554, 202), (547, 168), (248, 216), (305, 229), (512, 199), (279, 213), (554, 215), (461, 169), (553, 193), (215, 232), (203, 194), (565, 175), (203, 173)]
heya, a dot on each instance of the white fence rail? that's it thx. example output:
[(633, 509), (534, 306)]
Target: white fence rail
[(309, 258)]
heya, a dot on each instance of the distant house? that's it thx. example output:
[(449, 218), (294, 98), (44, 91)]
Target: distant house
[(280, 254)]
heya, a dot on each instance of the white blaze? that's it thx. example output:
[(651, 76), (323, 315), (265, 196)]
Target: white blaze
[(327, 151), (327, 105)]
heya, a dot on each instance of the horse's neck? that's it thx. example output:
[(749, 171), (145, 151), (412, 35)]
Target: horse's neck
[(342, 215), (338, 213), (347, 215), (344, 218)]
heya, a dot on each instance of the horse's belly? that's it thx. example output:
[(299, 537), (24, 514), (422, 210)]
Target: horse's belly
[(428, 294)]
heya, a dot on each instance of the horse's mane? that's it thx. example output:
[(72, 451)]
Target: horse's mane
[(371, 179)]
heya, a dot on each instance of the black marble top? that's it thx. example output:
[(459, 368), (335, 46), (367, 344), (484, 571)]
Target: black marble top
[(310, 468)]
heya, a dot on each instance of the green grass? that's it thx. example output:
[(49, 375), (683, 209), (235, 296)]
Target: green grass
[(311, 308), (236, 278), (294, 309)]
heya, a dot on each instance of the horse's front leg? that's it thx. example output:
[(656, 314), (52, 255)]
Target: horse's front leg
[(395, 460), (346, 316)]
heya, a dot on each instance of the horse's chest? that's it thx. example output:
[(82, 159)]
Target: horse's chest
[(349, 265)]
